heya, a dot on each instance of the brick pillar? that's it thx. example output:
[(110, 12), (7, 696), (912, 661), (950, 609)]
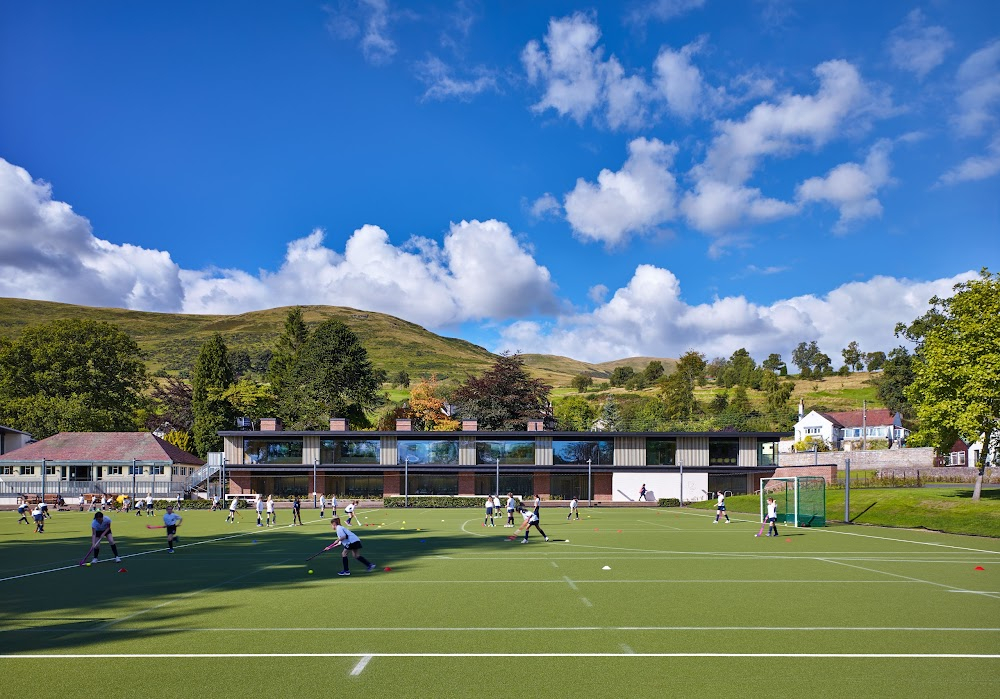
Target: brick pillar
[(391, 483), (466, 483), (542, 481), (602, 487), (239, 482)]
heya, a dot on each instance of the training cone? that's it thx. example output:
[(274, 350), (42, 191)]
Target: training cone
[(619, 531), (122, 570), (387, 569), (787, 539), (606, 568), (980, 568)]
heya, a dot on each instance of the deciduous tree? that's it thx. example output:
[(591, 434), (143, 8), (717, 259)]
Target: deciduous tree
[(582, 382), (505, 396), (853, 356)]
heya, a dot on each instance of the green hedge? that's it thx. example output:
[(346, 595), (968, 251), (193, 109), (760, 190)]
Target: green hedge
[(434, 501), (669, 502)]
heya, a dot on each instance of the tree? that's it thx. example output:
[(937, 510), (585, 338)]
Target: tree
[(620, 375), (677, 393), (853, 356), (239, 359), (804, 355), (171, 403), (281, 368), (212, 412), (575, 413), (773, 363), (776, 395), (652, 373), (250, 399), (78, 375), (335, 377), (822, 364), (739, 402), (610, 418), (401, 379), (505, 397), (897, 375), (582, 382), (874, 361), (956, 386), (427, 408), (692, 365), (180, 439)]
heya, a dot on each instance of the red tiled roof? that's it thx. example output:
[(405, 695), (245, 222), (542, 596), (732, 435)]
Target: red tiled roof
[(876, 417), (102, 446)]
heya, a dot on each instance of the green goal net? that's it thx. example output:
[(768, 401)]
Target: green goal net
[(801, 500)]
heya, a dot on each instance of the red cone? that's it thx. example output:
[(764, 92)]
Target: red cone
[(980, 568), (387, 569), (122, 570)]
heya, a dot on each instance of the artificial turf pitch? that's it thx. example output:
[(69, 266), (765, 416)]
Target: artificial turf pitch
[(688, 608)]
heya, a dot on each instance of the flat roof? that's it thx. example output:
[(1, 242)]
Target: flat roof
[(480, 434)]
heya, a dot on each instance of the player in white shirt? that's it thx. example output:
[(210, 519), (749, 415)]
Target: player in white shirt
[(23, 510), (350, 542), (530, 520), (322, 506), (489, 513), (270, 511), (720, 507), (349, 511), (772, 517), (149, 504), (538, 503), (496, 505), (259, 506), (39, 517), (511, 506), (171, 520), (574, 509), (333, 505), (101, 527), (231, 517), (215, 503)]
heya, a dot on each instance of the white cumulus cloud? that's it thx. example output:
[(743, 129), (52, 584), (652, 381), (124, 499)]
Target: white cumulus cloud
[(916, 47), (852, 187), (977, 167)]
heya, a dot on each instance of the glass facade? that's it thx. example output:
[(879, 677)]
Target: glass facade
[(520, 484), (728, 483), (571, 451), (355, 487), (436, 451), (767, 453), (566, 486), (433, 484), (508, 451), (723, 452), (661, 452), (350, 451), (272, 451)]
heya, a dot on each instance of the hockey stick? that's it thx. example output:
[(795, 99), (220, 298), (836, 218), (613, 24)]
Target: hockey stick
[(94, 545), (334, 545)]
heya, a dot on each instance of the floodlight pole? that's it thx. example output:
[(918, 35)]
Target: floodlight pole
[(847, 491), (590, 488), (406, 482), (133, 480), (43, 480), (680, 465), (498, 477)]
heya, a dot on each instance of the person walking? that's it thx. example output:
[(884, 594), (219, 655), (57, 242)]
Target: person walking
[(720, 507), (333, 505), (259, 506), (149, 505), (349, 541), (538, 503), (772, 517), (511, 506), (642, 493), (171, 520)]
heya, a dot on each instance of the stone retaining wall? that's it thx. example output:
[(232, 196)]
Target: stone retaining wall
[(917, 457)]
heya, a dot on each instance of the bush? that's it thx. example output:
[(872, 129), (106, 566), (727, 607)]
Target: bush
[(668, 502), (434, 501)]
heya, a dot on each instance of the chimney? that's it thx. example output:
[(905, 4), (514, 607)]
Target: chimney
[(338, 424), (404, 425), (469, 425), (270, 424), (536, 425), (802, 408)]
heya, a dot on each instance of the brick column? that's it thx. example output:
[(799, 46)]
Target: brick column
[(391, 483), (542, 482), (602, 487), (466, 483)]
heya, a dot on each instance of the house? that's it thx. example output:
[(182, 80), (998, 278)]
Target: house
[(11, 439), (73, 463), (842, 430)]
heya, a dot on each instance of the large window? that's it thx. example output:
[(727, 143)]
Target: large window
[(519, 484), (566, 486), (433, 484), (272, 451), (728, 483), (281, 486), (114, 470), (661, 452), (599, 452), (767, 453), (349, 451), (508, 451), (431, 451), (356, 487), (723, 452)]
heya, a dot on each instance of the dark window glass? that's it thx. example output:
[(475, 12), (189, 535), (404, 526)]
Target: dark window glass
[(767, 453), (600, 452), (433, 484), (661, 452), (728, 483), (272, 451), (723, 452), (520, 484), (349, 451), (436, 451), (566, 486), (509, 452), (281, 486), (354, 487)]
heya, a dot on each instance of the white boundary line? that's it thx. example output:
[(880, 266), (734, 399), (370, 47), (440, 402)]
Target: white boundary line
[(950, 588), (520, 656), (574, 629), (360, 667)]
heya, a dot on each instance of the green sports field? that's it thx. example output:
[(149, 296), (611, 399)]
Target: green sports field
[(624, 602)]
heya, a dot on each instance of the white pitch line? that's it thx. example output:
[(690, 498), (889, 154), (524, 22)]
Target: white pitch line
[(360, 667), (382, 580), (976, 592), (657, 524), (572, 585), (151, 656), (950, 588), (907, 541), (627, 650), (572, 629), (554, 564), (586, 602)]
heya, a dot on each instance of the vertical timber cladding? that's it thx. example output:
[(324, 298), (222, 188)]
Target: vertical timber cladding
[(748, 451), (310, 450), (467, 451), (232, 449), (630, 451), (389, 453), (692, 452)]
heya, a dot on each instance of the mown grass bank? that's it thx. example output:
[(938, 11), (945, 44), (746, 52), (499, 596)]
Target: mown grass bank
[(949, 510)]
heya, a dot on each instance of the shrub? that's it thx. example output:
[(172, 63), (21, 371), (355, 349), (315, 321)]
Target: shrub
[(668, 502), (434, 501)]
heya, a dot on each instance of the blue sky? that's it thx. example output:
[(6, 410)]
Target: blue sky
[(596, 180)]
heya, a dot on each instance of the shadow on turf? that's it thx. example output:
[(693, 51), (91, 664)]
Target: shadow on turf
[(94, 603)]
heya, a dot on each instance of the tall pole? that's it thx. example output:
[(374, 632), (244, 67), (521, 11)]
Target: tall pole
[(406, 482), (847, 491), (315, 464), (864, 425), (680, 464), (590, 488), (222, 480), (498, 476), (43, 479), (133, 480)]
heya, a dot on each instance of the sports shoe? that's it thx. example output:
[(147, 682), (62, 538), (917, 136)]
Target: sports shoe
[(546, 538), (118, 559), (344, 572), (170, 550), (715, 522), (371, 567), (524, 541), (728, 522)]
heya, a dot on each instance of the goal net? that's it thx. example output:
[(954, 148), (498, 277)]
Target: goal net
[(801, 500)]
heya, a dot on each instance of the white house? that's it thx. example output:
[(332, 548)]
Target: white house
[(841, 430), (11, 439)]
